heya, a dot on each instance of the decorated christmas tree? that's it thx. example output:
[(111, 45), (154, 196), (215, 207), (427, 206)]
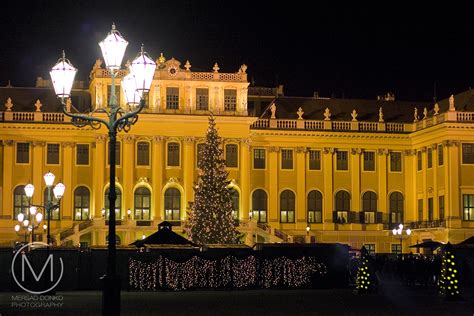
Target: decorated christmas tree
[(210, 218), (449, 286), (366, 281)]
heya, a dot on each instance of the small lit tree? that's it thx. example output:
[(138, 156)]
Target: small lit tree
[(366, 281), (449, 286), (210, 218)]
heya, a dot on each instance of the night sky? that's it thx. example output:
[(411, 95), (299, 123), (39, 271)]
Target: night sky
[(338, 50)]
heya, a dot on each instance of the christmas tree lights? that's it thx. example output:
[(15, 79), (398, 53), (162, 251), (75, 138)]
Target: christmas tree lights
[(449, 286), (210, 218), (366, 280)]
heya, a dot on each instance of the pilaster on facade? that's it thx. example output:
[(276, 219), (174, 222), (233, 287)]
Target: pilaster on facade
[(157, 177), (301, 214), (188, 169), (245, 177)]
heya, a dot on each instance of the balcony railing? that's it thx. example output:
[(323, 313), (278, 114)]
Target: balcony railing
[(428, 224)]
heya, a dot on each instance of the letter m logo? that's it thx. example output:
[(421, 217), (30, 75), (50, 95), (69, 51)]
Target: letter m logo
[(37, 277)]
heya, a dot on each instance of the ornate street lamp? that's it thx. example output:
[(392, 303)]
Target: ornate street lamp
[(49, 205), (142, 70), (29, 222), (399, 232)]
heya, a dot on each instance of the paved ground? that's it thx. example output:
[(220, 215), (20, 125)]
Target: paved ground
[(394, 300)]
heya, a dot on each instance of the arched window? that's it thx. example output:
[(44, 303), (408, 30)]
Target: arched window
[(369, 206), (287, 207), (315, 207), (20, 201), (142, 203), (54, 212), (234, 195), (259, 205), (172, 204), (118, 203), (81, 203), (343, 204), (396, 208)]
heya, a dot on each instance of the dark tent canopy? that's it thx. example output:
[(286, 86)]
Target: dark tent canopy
[(469, 241), (164, 236), (431, 244)]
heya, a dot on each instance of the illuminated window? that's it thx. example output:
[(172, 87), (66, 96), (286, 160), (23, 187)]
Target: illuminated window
[(369, 206), (343, 201), (55, 212), (259, 205), (396, 208), (468, 207), (81, 203), (234, 195), (287, 207), (315, 207), (370, 248), (20, 201), (142, 203), (172, 204), (396, 249)]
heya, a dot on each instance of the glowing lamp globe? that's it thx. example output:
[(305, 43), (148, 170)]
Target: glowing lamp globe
[(21, 217), (17, 228), (143, 69), (33, 210), (45, 226), (129, 87), (26, 222), (113, 48), (394, 231), (49, 179), (408, 231), (39, 217), (62, 75), (59, 190), (29, 190)]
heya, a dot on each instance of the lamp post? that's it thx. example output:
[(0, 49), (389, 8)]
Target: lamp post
[(135, 85), (27, 222), (49, 205), (399, 232)]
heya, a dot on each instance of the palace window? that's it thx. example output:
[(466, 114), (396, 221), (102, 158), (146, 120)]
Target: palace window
[(315, 207), (55, 212), (287, 207), (173, 154), (143, 154), (259, 205), (142, 203), (343, 201), (234, 195), (370, 248), (172, 98), (22, 152), (440, 155), (81, 203), (430, 209), (441, 207), (52, 156), (314, 160), (231, 154), (419, 160), (369, 161), (118, 203), (420, 210), (341, 160), (396, 249), (396, 161), (259, 158), (286, 159), (172, 204), (369, 206), (202, 99), (468, 207), (82, 154), (20, 201), (429, 157), (468, 153), (396, 208), (117, 153), (230, 99)]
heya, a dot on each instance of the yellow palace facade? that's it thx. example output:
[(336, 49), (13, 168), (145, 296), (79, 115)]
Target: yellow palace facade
[(301, 169)]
